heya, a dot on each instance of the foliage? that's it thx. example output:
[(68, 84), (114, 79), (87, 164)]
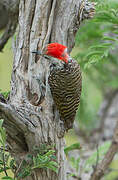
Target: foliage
[(43, 157), (5, 164), (101, 37), (96, 51), (5, 93), (72, 147)]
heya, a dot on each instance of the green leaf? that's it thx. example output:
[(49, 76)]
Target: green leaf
[(1, 162), (12, 163), (50, 152), (72, 175), (109, 38), (92, 61), (92, 53), (6, 157), (75, 162), (7, 178), (24, 173), (72, 147), (102, 46), (106, 53), (1, 122), (53, 163), (55, 169), (3, 136), (2, 142), (5, 94), (2, 169), (53, 157)]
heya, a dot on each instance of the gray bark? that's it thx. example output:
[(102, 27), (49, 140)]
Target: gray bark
[(31, 118)]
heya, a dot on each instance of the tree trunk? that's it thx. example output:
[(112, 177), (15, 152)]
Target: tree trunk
[(31, 118)]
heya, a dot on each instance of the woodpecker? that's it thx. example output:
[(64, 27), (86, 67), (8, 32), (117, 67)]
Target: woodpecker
[(65, 81)]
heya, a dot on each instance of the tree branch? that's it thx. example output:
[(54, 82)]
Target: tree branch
[(9, 31), (103, 166), (16, 125), (4, 164), (11, 9)]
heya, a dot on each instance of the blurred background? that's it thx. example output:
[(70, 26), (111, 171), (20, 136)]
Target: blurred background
[(96, 50), (6, 59)]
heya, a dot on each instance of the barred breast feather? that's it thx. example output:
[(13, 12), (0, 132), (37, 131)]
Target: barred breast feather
[(66, 84)]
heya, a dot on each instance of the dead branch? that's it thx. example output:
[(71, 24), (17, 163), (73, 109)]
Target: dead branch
[(103, 166), (11, 11), (9, 31)]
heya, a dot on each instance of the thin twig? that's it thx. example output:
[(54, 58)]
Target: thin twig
[(15, 174), (4, 164), (97, 159)]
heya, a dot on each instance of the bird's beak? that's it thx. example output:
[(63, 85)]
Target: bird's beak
[(41, 54), (37, 52)]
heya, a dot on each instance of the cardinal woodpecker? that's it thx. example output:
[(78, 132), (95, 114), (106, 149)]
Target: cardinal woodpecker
[(65, 82)]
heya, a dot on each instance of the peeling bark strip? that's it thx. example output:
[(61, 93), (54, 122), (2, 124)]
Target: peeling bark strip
[(31, 119)]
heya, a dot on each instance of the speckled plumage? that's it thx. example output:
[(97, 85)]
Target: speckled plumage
[(66, 83)]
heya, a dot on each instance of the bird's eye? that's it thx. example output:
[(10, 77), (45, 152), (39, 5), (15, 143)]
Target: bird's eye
[(70, 60)]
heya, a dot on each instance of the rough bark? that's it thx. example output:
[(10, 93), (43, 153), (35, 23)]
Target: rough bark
[(31, 118)]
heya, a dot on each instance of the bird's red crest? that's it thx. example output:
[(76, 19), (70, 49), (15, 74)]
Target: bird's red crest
[(58, 51)]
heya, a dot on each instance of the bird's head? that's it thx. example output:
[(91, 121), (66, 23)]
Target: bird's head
[(55, 50)]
